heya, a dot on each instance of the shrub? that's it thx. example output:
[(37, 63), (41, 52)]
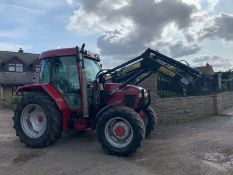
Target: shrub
[(15, 99)]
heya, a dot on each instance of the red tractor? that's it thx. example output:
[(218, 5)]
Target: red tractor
[(74, 94)]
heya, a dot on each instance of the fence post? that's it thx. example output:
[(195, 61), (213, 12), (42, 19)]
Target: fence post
[(218, 103)]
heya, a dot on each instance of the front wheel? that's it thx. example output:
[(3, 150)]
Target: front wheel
[(120, 131), (150, 120)]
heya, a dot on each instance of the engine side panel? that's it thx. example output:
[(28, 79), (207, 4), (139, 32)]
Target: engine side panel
[(129, 95)]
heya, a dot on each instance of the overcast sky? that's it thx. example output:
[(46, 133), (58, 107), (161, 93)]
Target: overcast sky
[(198, 31)]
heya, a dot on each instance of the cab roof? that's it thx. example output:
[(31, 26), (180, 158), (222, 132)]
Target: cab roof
[(67, 52)]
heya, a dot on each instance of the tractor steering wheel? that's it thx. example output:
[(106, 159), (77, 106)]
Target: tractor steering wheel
[(101, 71), (63, 85)]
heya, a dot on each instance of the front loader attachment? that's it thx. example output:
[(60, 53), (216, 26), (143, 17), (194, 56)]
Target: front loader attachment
[(139, 68)]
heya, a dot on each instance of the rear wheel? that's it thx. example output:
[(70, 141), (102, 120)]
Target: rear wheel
[(150, 121), (37, 120), (120, 131)]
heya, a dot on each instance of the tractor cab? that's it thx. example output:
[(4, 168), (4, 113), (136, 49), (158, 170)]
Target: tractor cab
[(62, 68)]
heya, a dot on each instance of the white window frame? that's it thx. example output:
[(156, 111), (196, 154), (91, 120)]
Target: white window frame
[(11, 67), (18, 67)]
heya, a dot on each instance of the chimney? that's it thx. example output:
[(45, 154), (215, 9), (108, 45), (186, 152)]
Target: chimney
[(20, 50)]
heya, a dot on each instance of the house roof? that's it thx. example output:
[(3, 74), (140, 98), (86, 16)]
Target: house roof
[(207, 69), (15, 78), (26, 58)]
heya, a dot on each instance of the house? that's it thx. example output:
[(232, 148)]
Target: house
[(207, 69), (16, 69)]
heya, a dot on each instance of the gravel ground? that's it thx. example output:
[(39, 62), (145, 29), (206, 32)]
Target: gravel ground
[(202, 147)]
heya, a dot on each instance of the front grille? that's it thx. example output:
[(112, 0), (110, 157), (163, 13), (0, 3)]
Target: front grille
[(129, 100)]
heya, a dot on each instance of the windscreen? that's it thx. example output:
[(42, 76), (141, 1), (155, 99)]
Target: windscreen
[(92, 68)]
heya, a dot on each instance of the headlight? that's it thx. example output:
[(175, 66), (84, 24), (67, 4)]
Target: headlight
[(140, 95), (145, 93)]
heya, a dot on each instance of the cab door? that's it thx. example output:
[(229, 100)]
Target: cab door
[(66, 80)]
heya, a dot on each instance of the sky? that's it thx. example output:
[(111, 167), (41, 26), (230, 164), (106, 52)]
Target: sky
[(198, 31)]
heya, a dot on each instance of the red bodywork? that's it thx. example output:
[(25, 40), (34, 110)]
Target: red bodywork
[(119, 96), (81, 123)]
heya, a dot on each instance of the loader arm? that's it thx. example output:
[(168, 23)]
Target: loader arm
[(141, 67)]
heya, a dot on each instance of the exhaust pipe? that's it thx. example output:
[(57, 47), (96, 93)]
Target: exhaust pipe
[(83, 83)]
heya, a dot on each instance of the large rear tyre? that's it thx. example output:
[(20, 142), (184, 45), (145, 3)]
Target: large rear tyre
[(37, 120), (120, 131), (151, 121)]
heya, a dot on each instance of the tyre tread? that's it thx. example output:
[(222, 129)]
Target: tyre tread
[(135, 118), (55, 116), (152, 121)]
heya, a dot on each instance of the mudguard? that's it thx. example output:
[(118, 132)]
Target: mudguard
[(117, 103), (51, 91)]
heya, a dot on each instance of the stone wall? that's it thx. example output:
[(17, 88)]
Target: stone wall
[(5, 95), (151, 84), (227, 100), (170, 110)]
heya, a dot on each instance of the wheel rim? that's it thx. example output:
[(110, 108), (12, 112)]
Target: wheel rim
[(33, 121), (118, 132)]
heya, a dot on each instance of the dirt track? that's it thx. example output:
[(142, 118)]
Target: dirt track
[(203, 147)]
